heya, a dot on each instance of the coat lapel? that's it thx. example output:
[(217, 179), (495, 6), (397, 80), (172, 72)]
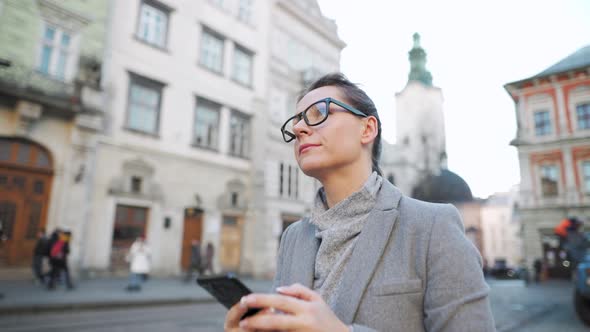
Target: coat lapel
[(366, 255), (303, 260)]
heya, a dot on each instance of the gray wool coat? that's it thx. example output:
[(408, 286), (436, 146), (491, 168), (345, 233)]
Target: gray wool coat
[(412, 269)]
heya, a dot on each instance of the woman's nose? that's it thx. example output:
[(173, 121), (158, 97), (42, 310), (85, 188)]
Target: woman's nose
[(301, 128)]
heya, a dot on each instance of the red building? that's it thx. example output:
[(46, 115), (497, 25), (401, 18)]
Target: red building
[(553, 142)]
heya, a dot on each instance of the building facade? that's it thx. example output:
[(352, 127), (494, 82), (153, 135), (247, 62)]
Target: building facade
[(304, 45), (178, 138), (50, 114), (553, 143), (501, 229)]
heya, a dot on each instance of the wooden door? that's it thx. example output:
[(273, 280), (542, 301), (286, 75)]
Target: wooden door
[(130, 223), (231, 243), (25, 182), (193, 228)]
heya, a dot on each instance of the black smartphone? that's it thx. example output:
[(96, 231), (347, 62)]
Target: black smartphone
[(227, 289)]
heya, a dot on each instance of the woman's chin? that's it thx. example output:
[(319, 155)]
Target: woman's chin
[(311, 169)]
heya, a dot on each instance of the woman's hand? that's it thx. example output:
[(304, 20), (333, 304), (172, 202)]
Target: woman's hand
[(301, 310), (232, 318)]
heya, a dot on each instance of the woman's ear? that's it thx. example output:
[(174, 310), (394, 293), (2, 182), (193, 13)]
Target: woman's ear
[(370, 130)]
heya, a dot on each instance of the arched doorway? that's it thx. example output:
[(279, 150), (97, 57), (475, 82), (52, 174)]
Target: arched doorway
[(26, 172)]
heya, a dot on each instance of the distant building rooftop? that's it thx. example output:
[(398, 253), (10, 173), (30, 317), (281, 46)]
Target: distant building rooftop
[(446, 187), (578, 59), (575, 61)]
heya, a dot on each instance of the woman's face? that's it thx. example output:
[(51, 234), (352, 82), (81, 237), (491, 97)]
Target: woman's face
[(331, 145)]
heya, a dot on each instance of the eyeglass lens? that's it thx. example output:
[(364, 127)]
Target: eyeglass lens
[(314, 114)]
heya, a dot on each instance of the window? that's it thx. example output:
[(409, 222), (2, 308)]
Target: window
[(218, 3), (144, 104), (56, 52), (130, 223), (207, 124), (586, 173), (230, 221), (211, 56), (234, 199), (242, 70), (23, 153), (245, 11), (153, 24), (288, 181), (549, 179), (239, 141), (281, 169), (583, 112), (136, 184), (542, 123)]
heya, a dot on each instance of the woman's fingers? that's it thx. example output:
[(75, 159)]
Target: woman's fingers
[(232, 318), (279, 302), (299, 291), (271, 322)]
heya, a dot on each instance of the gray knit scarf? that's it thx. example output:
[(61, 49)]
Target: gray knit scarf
[(338, 230)]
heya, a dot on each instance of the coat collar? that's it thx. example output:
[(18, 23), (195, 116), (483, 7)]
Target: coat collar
[(366, 255)]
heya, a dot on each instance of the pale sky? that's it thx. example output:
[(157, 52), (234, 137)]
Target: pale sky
[(474, 48)]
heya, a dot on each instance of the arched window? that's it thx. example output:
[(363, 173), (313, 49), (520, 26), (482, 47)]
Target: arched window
[(24, 153)]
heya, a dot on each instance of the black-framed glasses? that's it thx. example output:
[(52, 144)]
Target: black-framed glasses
[(314, 115)]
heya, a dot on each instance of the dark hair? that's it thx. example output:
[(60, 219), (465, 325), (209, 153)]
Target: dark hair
[(358, 99)]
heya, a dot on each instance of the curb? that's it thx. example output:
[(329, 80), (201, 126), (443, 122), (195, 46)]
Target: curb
[(81, 306)]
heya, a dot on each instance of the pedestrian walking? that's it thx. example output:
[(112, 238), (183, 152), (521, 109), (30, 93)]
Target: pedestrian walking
[(368, 258), (196, 262), (209, 253), (58, 258), (139, 258), (40, 251), (537, 267)]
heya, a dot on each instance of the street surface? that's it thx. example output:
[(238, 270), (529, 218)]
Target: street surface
[(543, 307)]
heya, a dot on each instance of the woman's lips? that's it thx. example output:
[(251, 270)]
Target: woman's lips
[(305, 147)]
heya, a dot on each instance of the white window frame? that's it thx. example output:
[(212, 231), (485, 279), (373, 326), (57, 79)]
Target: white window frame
[(243, 65), (211, 58), (239, 143), (146, 26), (585, 189), (551, 123), (558, 179), (144, 83), (69, 54), (204, 104), (587, 104), (289, 181), (245, 11)]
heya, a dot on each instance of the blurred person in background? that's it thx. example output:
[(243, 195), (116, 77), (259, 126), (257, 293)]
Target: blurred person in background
[(209, 253), (58, 257), (40, 251), (368, 258), (139, 258), (196, 262)]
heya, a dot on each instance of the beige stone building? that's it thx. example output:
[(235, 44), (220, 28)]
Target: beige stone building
[(501, 228), (50, 115), (178, 138), (552, 112)]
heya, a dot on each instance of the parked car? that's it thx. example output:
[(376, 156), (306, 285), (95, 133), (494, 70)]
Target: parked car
[(500, 270)]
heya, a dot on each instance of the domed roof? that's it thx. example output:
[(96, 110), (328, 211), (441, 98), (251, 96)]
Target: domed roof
[(446, 187)]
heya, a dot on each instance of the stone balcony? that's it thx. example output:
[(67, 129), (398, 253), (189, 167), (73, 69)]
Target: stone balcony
[(81, 100)]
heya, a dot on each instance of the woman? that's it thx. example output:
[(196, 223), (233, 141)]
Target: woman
[(139, 257), (368, 258)]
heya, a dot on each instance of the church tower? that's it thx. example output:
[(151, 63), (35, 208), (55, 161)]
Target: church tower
[(419, 117)]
